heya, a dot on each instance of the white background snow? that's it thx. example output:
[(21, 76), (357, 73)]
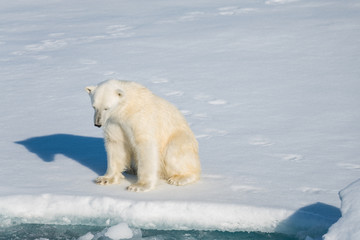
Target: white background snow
[(270, 88)]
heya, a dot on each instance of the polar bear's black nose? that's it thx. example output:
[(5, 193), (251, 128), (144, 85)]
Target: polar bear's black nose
[(97, 125)]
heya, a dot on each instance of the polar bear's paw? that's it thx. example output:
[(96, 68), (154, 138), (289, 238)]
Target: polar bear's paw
[(180, 180), (139, 187), (106, 180)]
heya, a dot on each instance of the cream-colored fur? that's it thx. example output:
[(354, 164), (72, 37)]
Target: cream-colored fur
[(144, 132)]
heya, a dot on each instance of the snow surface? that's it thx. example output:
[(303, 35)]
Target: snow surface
[(270, 88)]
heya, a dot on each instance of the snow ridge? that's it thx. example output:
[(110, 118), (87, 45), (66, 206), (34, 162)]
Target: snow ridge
[(347, 228)]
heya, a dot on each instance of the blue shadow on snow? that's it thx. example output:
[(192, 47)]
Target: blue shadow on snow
[(88, 151), (313, 221)]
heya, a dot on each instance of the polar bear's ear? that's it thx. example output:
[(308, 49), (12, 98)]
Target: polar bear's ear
[(120, 92), (90, 89)]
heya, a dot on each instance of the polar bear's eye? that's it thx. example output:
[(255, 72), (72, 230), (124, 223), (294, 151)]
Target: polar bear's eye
[(106, 109)]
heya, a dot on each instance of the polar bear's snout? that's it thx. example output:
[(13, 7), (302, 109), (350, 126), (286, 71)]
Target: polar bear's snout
[(97, 119)]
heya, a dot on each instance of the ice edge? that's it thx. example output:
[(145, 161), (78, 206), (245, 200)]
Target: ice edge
[(161, 215)]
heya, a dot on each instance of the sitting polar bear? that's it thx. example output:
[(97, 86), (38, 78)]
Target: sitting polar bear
[(144, 132)]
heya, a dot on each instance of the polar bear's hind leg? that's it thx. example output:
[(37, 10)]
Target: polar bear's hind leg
[(180, 180), (182, 165)]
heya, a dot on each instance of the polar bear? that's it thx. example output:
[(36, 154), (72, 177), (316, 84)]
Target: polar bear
[(145, 133)]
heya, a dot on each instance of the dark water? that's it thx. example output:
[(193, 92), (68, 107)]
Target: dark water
[(48, 231)]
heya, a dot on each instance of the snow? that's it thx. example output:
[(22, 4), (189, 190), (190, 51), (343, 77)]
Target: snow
[(270, 89), (347, 227)]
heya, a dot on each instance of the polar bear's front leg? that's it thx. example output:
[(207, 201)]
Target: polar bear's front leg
[(117, 158), (107, 179), (147, 167)]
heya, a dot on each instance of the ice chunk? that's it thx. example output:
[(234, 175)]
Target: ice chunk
[(119, 231), (88, 236)]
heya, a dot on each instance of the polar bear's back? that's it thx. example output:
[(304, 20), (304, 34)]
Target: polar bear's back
[(155, 111), (154, 106)]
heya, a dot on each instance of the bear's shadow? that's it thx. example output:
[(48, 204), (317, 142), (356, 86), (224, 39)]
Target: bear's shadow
[(88, 151)]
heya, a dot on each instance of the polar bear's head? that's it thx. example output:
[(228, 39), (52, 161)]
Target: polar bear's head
[(105, 97)]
